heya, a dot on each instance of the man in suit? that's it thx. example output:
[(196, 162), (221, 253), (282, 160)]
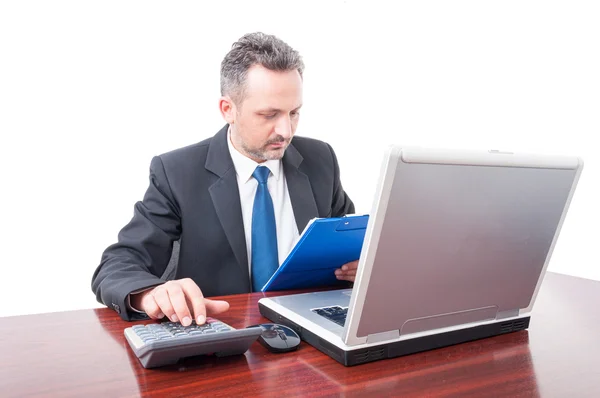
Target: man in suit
[(235, 202)]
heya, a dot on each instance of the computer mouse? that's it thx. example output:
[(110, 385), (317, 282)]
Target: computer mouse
[(278, 338)]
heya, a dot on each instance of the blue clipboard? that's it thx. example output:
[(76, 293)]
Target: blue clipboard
[(325, 245)]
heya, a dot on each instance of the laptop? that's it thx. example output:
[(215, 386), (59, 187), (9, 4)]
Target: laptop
[(456, 248)]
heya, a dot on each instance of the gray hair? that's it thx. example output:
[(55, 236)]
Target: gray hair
[(255, 49)]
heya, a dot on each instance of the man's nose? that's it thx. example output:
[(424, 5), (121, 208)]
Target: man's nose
[(284, 127)]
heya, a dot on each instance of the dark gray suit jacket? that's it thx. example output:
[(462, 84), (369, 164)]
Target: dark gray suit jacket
[(193, 197)]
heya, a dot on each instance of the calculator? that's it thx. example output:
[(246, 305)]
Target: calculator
[(160, 344)]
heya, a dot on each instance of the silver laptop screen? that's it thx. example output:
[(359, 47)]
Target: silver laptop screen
[(461, 243)]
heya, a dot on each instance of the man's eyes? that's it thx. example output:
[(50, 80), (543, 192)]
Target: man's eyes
[(272, 115)]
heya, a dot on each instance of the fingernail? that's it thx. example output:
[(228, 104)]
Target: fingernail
[(338, 272), (344, 268), (187, 321), (160, 315), (174, 318), (200, 319)]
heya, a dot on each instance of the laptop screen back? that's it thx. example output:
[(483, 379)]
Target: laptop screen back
[(457, 243)]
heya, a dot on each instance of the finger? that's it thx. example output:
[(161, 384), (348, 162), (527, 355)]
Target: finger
[(150, 307), (161, 297), (215, 307), (179, 303), (351, 272), (349, 278), (195, 297)]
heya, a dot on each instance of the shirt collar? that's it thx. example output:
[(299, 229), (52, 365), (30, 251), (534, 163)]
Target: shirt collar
[(244, 166)]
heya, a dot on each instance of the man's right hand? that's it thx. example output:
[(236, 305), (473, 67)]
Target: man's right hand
[(179, 300)]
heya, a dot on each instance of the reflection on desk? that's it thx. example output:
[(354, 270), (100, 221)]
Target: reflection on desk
[(84, 353)]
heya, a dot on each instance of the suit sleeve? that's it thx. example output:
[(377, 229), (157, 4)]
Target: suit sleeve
[(144, 246), (341, 203)]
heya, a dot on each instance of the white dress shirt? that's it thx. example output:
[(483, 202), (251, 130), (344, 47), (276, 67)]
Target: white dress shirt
[(285, 222)]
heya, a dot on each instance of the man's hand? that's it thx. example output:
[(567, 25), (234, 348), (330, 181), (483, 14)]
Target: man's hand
[(347, 272), (178, 300)]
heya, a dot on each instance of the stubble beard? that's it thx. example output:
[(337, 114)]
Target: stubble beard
[(267, 154)]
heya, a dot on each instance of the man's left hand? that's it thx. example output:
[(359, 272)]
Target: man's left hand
[(347, 272)]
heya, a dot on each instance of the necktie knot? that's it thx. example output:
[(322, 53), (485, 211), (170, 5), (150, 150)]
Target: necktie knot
[(261, 173)]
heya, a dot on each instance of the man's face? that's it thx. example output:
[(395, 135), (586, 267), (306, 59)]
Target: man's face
[(266, 120)]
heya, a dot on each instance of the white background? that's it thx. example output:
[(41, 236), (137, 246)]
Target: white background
[(90, 91)]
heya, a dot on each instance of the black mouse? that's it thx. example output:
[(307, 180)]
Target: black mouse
[(278, 338)]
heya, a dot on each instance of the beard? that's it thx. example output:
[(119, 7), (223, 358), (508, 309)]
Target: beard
[(266, 153)]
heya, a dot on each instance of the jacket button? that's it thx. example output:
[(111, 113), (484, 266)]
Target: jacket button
[(116, 308)]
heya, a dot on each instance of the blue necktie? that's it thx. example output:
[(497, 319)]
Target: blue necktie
[(264, 234)]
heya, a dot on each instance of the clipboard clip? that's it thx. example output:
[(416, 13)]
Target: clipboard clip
[(352, 223)]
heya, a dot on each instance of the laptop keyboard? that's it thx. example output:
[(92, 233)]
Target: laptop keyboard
[(335, 314)]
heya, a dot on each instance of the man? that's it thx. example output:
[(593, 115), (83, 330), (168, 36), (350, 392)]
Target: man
[(235, 202)]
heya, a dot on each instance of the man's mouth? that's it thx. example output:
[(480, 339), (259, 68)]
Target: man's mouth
[(277, 144)]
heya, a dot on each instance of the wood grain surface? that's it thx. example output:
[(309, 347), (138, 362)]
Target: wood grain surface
[(84, 354)]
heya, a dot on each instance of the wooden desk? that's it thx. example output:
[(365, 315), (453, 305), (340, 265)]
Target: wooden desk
[(84, 354)]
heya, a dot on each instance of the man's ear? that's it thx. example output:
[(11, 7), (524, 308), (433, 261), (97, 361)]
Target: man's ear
[(227, 108)]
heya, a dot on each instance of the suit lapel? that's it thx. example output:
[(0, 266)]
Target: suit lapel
[(225, 196), (301, 194)]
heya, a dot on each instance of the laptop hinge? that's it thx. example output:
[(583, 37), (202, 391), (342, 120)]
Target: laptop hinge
[(383, 336)]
